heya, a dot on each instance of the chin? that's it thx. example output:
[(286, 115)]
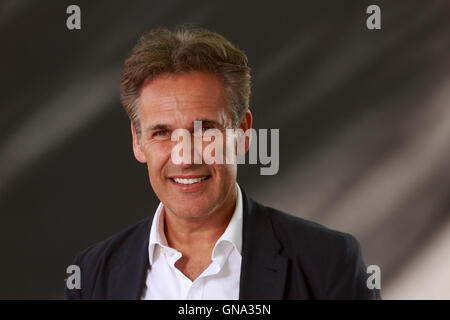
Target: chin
[(198, 210)]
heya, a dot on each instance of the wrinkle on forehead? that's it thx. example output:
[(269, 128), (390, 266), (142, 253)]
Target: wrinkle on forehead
[(181, 97)]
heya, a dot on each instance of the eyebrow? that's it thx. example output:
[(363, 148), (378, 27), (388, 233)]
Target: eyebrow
[(162, 126), (208, 121), (159, 126)]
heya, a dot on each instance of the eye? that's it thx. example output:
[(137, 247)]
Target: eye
[(161, 133), (205, 128)]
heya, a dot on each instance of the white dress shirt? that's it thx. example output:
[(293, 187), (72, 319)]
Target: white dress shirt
[(220, 280)]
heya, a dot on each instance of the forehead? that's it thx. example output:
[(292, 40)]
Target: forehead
[(182, 97)]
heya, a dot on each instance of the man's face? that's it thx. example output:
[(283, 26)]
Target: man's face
[(172, 102)]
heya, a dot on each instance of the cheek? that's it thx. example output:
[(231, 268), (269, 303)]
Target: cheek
[(225, 173), (157, 155), (218, 151)]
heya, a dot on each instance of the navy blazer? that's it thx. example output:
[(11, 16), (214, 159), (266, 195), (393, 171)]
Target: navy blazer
[(283, 257)]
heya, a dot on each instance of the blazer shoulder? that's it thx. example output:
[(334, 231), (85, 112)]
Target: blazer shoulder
[(290, 229), (114, 247), (331, 260), (96, 261)]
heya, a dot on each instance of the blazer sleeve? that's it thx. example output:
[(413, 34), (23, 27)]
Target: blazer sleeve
[(350, 281)]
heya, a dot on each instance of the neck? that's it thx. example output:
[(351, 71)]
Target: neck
[(186, 234)]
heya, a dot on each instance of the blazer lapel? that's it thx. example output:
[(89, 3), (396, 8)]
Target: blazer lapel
[(127, 278), (263, 269)]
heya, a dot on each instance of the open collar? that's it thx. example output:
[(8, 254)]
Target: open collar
[(263, 269)]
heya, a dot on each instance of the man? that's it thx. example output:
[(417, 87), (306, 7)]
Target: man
[(208, 239)]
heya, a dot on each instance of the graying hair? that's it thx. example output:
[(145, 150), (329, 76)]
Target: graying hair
[(161, 51)]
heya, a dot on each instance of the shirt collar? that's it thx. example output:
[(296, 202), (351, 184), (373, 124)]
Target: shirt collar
[(157, 235), (232, 234)]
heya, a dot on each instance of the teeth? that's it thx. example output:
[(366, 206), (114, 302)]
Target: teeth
[(188, 181)]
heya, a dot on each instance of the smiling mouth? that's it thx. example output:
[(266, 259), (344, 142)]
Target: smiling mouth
[(189, 181)]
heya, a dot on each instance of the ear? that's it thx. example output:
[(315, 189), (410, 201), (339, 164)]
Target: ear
[(245, 125), (138, 154)]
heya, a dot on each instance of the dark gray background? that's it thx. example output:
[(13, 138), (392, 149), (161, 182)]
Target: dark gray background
[(363, 118)]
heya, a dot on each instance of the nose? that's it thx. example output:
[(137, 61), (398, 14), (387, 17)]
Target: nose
[(187, 151)]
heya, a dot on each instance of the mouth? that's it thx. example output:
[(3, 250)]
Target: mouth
[(189, 180)]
